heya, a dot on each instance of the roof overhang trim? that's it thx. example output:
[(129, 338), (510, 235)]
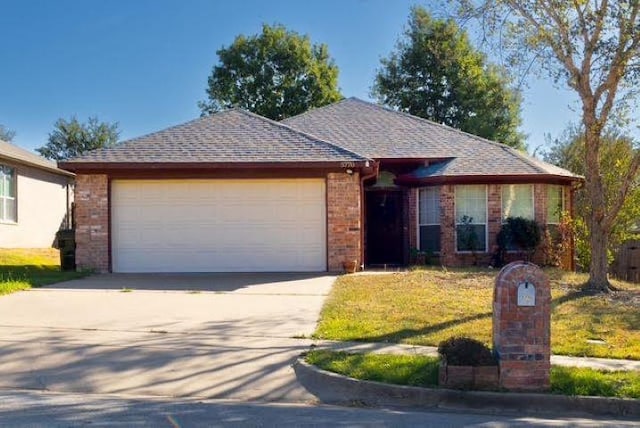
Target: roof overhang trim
[(408, 180), (158, 166), (36, 165)]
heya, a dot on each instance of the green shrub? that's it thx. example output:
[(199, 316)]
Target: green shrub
[(519, 234), (464, 351)]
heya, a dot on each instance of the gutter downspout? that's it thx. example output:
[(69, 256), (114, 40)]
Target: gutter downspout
[(376, 169)]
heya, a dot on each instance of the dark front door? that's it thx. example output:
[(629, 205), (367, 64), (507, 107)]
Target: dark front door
[(384, 228)]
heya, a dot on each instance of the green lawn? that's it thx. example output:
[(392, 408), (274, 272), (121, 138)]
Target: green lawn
[(21, 269), (422, 371), (427, 306)]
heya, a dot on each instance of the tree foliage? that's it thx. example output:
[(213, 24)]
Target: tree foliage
[(276, 74), (437, 74), (72, 138), (592, 47), (616, 154), (6, 134)]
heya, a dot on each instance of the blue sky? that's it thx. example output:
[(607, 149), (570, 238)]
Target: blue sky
[(145, 63)]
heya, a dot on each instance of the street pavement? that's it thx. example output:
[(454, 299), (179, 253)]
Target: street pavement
[(41, 409)]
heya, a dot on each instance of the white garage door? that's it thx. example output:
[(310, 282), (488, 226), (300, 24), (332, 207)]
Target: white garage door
[(218, 225)]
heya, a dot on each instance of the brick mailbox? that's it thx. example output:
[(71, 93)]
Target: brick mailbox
[(522, 327)]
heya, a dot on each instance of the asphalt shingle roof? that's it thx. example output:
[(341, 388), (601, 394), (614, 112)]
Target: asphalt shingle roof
[(378, 133), (17, 154), (231, 136)]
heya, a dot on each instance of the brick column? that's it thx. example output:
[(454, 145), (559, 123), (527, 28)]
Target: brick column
[(494, 220), (92, 222), (411, 227), (540, 203), (522, 327), (447, 226), (344, 219)]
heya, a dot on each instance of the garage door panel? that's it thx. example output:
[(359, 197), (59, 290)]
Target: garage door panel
[(218, 225)]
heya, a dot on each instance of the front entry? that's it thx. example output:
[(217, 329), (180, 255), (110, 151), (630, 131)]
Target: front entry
[(384, 228)]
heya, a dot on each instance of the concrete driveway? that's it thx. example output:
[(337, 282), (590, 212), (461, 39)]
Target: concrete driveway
[(205, 335)]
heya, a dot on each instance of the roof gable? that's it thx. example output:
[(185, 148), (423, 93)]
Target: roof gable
[(231, 136)]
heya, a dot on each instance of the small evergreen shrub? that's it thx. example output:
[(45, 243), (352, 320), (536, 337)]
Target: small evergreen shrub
[(517, 234), (464, 351)]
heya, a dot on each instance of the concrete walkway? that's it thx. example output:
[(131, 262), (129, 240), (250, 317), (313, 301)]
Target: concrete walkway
[(432, 351)]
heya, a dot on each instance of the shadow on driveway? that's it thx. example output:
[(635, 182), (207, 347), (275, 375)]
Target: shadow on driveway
[(213, 282), (199, 363)]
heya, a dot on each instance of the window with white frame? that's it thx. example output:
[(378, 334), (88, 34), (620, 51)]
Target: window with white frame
[(471, 218), (555, 203), (429, 219), (517, 201), (8, 211)]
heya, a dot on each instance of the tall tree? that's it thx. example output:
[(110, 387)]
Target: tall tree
[(276, 74), (616, 154), (6, 134), (592, 47), (437, 74), (72, 138)]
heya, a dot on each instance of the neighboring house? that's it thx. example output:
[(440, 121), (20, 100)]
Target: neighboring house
[(350, 181), (35, 198)]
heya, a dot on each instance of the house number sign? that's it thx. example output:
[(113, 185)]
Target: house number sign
[(526, 294)]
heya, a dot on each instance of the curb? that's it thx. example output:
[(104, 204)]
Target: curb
[(332, 388)]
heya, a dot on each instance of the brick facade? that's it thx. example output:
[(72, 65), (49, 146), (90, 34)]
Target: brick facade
[(412, 217), (344, 221), (448, 254), (447, 225), (92, 222), (344, 224)]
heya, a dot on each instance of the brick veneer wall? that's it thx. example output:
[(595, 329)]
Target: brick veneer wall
[(448, 254), (412, 214), (92, 222), (344, 222), (448, 226)]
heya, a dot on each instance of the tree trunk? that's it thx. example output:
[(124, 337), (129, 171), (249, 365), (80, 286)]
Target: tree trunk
[(599, 268), (598, 231)]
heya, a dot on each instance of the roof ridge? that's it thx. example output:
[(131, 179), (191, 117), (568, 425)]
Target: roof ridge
[(404, 114), (305, 134), (314, 109), (422, 119), (516, 153)]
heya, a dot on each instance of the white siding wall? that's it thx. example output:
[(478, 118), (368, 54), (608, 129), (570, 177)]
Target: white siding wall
[(42, 207)]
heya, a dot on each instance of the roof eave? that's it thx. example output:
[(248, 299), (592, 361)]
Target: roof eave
[(487, 179), (37, 165), (117, 166)]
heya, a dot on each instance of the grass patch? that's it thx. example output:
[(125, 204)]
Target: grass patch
[(585, 381), (427, 306), (422, 371), (398, 369), (21, 269)]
